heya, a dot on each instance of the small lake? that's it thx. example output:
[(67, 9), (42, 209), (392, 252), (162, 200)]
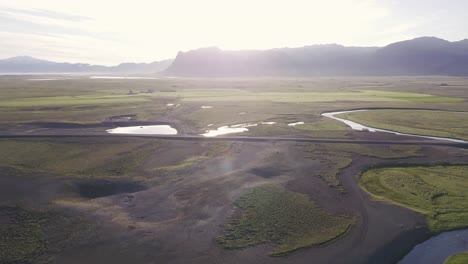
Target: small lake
[(224, 130), (437, 249), (296, 123), (239, 128), (360, 127), (144, 130)]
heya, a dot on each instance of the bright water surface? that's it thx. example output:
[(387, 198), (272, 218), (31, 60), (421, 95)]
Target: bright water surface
[(144, 130)]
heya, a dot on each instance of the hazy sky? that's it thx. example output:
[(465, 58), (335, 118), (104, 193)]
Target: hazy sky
[(110, 32)]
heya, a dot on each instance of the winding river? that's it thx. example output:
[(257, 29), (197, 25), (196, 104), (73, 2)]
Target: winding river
[(437, 249), (360, 127)]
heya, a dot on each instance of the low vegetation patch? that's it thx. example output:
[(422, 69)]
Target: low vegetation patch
[(183, 164), (93, 159), (384, 152), (71, 100), (272, 214), (233, 95), (213, 149), (27, 234), (21, 235), (339, 156), (440, 192), (412, 97), (321, 128), (267, 172), (461, 258)]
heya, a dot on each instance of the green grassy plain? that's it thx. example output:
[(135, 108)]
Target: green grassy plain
[(272, 214), (434, 123), (461, 258), (71, 100), (84, 100), (439, 192), (234, 95)]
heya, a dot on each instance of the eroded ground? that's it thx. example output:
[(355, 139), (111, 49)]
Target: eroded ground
[(175, 204)]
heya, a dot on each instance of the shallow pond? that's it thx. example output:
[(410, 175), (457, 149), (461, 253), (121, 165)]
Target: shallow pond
[(223, 131), (239, 128), (144, 130), (296, 123), (437, 249)]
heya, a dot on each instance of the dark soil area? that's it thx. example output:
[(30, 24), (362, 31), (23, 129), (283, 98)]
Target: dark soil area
[(101, 188), (176, 216), (266, 172)]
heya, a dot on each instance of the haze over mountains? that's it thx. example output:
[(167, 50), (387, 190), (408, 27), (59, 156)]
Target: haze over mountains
[(420, 56), (26, 64)]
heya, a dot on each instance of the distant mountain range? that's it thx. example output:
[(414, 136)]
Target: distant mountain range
[(420, 56), (25, 64)]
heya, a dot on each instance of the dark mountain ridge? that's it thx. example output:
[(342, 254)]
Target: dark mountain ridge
[(420, 56)]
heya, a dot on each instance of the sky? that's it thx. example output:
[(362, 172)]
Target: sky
[(110, 32)]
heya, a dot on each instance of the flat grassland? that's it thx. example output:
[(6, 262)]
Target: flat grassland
[(439, 192), (234, 101)]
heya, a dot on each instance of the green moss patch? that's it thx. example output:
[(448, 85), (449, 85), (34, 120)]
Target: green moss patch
[(440, 192), (27, 234), (96, 159), (289, 220), (461, 258)]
